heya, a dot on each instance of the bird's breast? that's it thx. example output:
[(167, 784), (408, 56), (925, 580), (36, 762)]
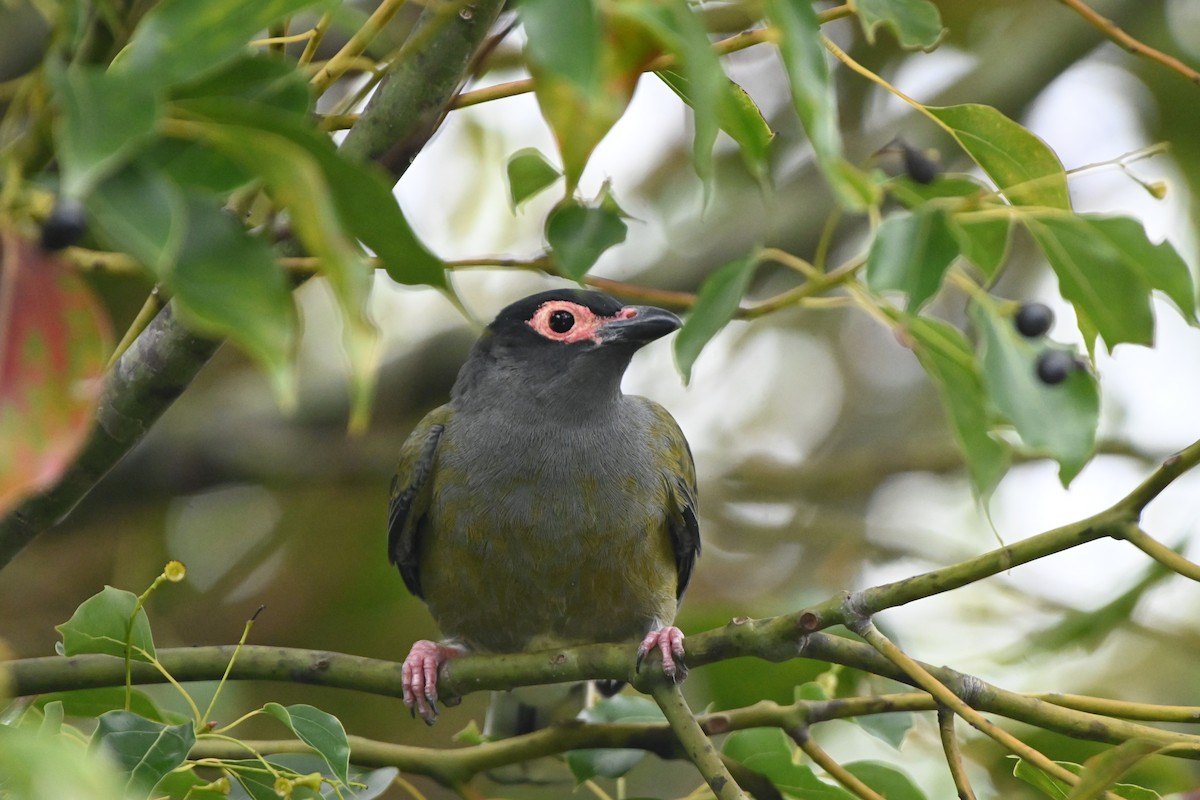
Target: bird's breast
[(558, 535)]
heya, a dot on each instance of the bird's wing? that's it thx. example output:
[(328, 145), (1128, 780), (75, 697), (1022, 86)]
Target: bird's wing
[(410, 495), (679, 475)]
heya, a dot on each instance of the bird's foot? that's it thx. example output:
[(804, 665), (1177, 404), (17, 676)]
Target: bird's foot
[(420, 674), (669, 642)]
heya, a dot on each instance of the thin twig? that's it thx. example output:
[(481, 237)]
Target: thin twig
[(357, 44), (1114, 32), (867, 630), (699, 749), (832, 767), (1161, 553), (953, 753)]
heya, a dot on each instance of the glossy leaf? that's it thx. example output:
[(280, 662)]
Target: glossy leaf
[(194, 166), (295, 179), (769, 752), (951, 365), (566, 51), (54, 342), (226, 283), (885, 779), (737, 115), (182, 39), (139, 211), (916, 24), (1100, 772), (612, 762), (911, 253), (145, 751), (813, 96), (106, 118), (1022, 166), (101, 624), (528, 174), (579, 234), (681, 32), (320, 731), (1051, 787), (1107, 268), (716, 304), (1059, 421), (362, 198), (52, 718)]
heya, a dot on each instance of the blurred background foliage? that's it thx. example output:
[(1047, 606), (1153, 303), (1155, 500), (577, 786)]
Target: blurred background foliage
[(824, 457)]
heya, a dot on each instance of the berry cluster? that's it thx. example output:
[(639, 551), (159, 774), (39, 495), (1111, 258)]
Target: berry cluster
[(1034, 320)]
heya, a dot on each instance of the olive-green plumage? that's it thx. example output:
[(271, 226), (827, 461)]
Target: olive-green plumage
[(541, 507)]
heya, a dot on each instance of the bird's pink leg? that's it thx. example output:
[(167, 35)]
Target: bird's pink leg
[(420, 674), (669, 642)]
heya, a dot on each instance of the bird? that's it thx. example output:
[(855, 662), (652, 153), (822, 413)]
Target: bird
[(541, 507)]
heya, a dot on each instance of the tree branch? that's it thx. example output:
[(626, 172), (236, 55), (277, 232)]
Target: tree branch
[(699, 749)]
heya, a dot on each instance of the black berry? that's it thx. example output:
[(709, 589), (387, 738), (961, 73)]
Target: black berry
[(1034, 319), (65, 226), (1053, 366), (918, 166)]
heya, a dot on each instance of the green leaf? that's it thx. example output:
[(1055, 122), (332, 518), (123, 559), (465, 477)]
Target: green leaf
[(254, 77), (566, 55), (101, 625), (94, 702), (321, 731), (1051, 787), (947, 358), (1102, 771), (106, 119), (578, 234), (226, 283), (295, 180), (1023, 167), (1059, 421), (681, 31), (982, 239), (716, 304), (54, 343), (37, 767), (890, 728), (768, 752), (911, 253), (917, 24), (182, 39), (362, 197), (528, 174), (139, 211), (886, 780), (737, 115), (803, 52), (144, 750), (52, 719), (1107, 268), (614, 762)]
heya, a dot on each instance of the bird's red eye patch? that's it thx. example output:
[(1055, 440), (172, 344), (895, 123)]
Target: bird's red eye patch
[(564, 321)]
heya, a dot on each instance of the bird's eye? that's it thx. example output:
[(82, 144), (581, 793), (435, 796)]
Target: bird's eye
[(562, 321)]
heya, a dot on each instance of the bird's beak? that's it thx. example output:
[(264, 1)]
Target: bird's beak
[(638, 325)]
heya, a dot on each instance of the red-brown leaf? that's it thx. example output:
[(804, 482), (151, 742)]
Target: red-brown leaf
[(54, 341)]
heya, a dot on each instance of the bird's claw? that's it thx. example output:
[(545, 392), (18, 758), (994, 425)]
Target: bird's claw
[(419, 676), (669, 642)]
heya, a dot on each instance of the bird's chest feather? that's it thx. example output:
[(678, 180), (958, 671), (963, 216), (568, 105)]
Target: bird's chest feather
[(559, 532)]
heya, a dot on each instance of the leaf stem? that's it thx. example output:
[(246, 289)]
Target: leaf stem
[(358, 43)]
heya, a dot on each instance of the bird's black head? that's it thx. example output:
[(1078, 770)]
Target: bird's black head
[(565, 347), (581, 321)]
